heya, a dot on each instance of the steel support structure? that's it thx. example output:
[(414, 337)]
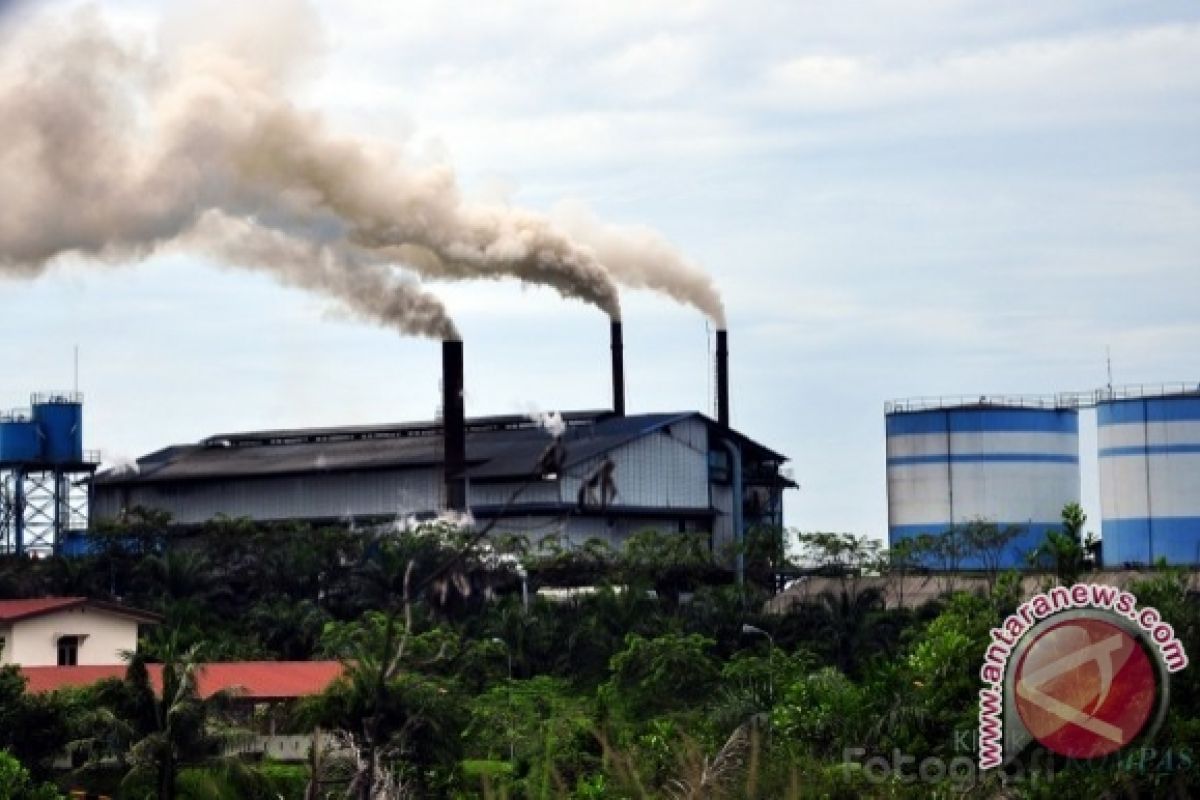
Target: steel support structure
[(39, 506)]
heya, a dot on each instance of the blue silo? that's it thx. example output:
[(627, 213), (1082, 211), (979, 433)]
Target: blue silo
[(20, 439), (1010, 465), (60, 417), (1149, 456)]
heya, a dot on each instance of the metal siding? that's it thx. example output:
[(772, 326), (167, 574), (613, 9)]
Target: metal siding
[(655, 471), (1149, 456), (1033, 492), (722, 501), (497, 494), (918, 493), (62, 426), (578, 530), (1008, 466), (299, 497), (20, 441), (659, 471)]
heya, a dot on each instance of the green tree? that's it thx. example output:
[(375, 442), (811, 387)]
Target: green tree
[(1064, 552), (989, 543), (845, 556), (542, 725), (394, 711), (17, 784), (656, 675), (33, 727), (174, 727)]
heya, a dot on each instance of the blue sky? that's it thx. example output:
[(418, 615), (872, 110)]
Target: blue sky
[(896, 198)]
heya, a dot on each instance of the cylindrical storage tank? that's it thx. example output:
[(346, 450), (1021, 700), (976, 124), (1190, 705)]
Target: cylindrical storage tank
[(20, 440), (1005, 465), (60, 417), (1149, 455)]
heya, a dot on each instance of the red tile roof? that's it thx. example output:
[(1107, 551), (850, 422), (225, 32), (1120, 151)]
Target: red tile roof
[(13, 610), (47, 679), (17, 610), (256, 681)]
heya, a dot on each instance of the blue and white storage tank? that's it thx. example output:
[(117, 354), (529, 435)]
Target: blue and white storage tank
[(59, 415), (1149, 457), (1003, 462), (20, 438)]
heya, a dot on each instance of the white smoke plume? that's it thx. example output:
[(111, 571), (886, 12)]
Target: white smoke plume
[(113, 152), (642, 259), (551, 421), (119, 464)]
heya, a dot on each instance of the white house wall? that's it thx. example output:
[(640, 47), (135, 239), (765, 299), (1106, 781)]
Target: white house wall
[(34, 642)]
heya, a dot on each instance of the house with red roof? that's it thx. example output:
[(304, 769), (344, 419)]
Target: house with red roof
[(67, 642), (250, 682), (260, 691), (69, 631)]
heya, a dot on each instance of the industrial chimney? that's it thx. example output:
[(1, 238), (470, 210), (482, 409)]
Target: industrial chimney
[(723, 378), (454, 434), (618, 369)]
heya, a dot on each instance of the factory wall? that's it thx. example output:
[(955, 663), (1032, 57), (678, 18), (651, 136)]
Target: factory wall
[(663, 470), (577, 530), (722, 501), (497, 494), (1149, 457), (1010, 467), (312, 496)]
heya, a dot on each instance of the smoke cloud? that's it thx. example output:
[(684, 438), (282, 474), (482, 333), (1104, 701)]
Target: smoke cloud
[(642, 259), (113, 153), (371, 291)]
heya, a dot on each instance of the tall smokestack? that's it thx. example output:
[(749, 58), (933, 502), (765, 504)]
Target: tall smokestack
[(454, 434), (618, 369), (723, 378)]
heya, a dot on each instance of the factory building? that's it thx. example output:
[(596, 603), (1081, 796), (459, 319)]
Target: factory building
[(589, 475), (609, 476), (1007, 463)]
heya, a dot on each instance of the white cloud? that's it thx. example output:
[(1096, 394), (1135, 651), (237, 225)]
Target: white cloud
[(1067, 75), (655, 68)]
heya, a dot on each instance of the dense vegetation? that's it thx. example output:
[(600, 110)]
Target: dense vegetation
[(668, 681)]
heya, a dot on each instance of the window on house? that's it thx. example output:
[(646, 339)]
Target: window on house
[(68, 651)]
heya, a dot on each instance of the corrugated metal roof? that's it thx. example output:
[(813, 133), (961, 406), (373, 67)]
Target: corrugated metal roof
[(497, 448), (247, 680)]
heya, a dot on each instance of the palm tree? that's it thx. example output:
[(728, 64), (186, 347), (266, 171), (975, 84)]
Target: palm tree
[(171, 730), (846, 619)]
